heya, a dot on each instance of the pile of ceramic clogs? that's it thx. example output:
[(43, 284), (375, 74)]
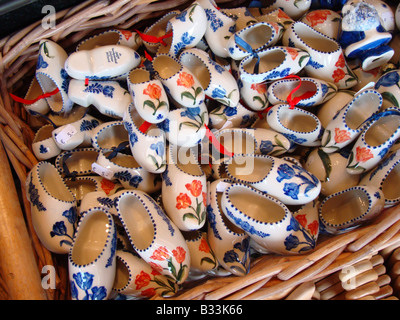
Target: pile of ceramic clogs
[(177, 152)]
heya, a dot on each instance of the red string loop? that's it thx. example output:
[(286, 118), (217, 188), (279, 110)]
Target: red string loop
[(42, 96), (154, 39), (145, 126)]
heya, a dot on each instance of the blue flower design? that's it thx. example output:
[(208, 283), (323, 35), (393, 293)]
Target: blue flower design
[(110, 260), (66, 79), (324, 89), (165, 178), (294, 138), (34, 196), (377, 195), (181, 16), (231, 256), (314, 64), (42, 149), (388, 79), (135, 181), (212, 222), (230, 111), (87, 125), (84, 280), (218, 93), (285, 172), (215, 23), (159, 148), (248, 120), (108, 91), (133, 138), (71, 215), (191, 113), (164, 125), (246, 226), (284, 72), (292, 190), (266, 146), (41, 63), (383, 152), (291, 242)]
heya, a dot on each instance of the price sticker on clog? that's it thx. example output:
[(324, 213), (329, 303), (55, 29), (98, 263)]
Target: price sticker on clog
[(66, 134), (101, 171)]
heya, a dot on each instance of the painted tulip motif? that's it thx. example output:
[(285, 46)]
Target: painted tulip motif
[(143, 280), (197, 210), (154, 91), (341, 135), (186, 80), (261, 89), (361, 155)]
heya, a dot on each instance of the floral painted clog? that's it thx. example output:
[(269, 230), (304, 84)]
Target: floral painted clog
[(136, 278), (350, 121), (347, 209), (51, 75), (230, 244), (184, 189), (153, 235), (272, 63), (254, 95), (275, 229), (326, 61), (217, 82), (282, 179), (109, 97), (179, 82), (110, 62), (149, 96), (92, 261), (43, 145), (146, 144), (53, 206), (375, 141)]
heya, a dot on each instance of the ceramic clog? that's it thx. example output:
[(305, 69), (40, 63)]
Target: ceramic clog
[(43, 144), (75, 114), (110, 62), (231, 117), (349, 121), (348, 209), (327, 61), (179, 82), (148, 95), (325, 21), (272, 63), (41, 106), (153, 235), (147, 145), (282, 179), (136, 278), (294, 9), (53, 206), (217, 82), (125, 38), (317, 91), (188, 28), (92, 260), (51, 75), (375, 141), (184, 189), (327, 110), (109, 97), (125, 169), (76, 134), (275, 229), (109, 135), (76, 162), (388, 86), (253, 38), (230, 244), (219, 28), (298, 125), (385, 176)]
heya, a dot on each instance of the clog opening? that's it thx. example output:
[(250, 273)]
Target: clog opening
[(81, 187), (123, 160), (184, 159), (284, 88), (91, 238), (229, 225), (34, 90), (249, 169), (297, 121), (79, 161), (237, 142), (382, 130), (112, 136), (269, 61), (48, 85), (77, 113), (198, 68), (315, 40), (44, 133), (53, 183), (256, 206), (257, 36), (105, 39), (122, 275), (166, 66), (137, 221), (192, 235), (139, 76), (362, 108), (345, 207), (152, 130), (390, 186)]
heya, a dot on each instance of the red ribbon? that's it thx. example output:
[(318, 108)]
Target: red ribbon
[(44, 95), (145, 126), (216, 143), (154, 39)]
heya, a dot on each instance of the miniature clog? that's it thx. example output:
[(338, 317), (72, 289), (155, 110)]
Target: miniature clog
[(43, 145)]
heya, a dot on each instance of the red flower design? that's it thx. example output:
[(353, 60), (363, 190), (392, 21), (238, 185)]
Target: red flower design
[(283, 15), (317, 17), (148, 292), (195, 188), (341, 63), (153, 91), (156, 268), (179, 254), (183, 201), (302, 219), (313, 227), (363, 154), (204, 198), (338, 75), (142, 280), (185, 79), (160, 254), (127, 34), (261, 88), (107, 185), (204, 246), (341, 135), (293, 53)]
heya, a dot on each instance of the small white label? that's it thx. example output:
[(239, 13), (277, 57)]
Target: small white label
[(65, 134), (101, 171)]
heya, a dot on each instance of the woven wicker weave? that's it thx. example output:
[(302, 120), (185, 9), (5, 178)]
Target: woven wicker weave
[(271, 277)]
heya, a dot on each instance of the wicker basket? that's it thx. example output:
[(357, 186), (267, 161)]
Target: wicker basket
[(372, 249)]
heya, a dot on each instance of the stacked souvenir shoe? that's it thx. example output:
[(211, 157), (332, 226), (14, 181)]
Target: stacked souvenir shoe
[(213, 135)]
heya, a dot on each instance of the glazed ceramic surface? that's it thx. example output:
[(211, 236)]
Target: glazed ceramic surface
[(43, 145), (325, 21), (111, 37)]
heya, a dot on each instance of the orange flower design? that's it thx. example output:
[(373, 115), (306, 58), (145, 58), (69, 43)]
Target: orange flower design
[(302, 219), (157, 269), (153, 91), (363, 154), (185, 79), (204, 198), (341, 135), (338, 75), (107, 185), (204, 246), (313, 227), (293, 53), (142, 280), (127, 34), (317, 17), (183, 201), (261, 88), (179, 254), (195, 188), (283, 15), (148, 292), (341, 63), (160, 254)]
